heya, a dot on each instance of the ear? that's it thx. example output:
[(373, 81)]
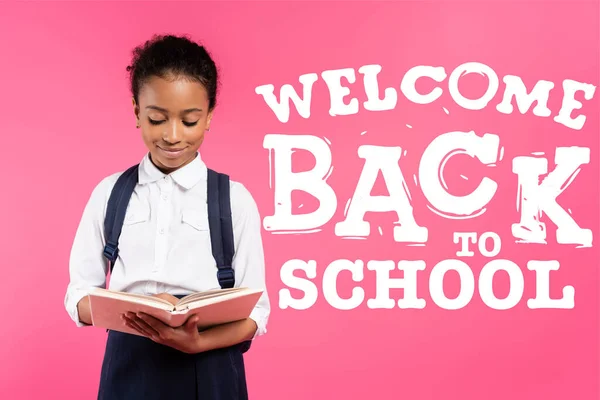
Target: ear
[(136, 112), (208, 120)]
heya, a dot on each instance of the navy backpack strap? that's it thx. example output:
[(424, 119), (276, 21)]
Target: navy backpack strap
[(115, 212), (220, 226), (221, 232), (226, 220)]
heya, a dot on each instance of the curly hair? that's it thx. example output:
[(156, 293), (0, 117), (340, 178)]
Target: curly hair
[(165, 55)]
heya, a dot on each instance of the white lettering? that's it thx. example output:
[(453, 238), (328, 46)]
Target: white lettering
[(516, 88), (535, 198), (496, 244), (287, 93), (311, 292), (384, 283), (384, 159), (436, 284), (431, 170), (312, 182), (408, 84), (569, 104), (486, 284), (464, 238), (542, 287), (374, 103), (330, 284), (337, 92), (468, 68), (408, 283)]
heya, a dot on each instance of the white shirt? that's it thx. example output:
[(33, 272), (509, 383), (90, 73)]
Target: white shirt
[(165, 242)]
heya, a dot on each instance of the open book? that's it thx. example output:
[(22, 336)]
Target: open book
[(214, 307)]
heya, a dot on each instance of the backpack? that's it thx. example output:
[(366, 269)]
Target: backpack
[(219, 219)]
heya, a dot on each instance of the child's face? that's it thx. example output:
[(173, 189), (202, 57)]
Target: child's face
[(173, 116)]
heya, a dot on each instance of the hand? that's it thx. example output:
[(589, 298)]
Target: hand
[(185, 338)]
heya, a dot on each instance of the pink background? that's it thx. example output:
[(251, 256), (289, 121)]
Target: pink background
[(67, 122)]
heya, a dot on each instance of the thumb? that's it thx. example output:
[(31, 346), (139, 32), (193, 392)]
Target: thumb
[(192, 324)]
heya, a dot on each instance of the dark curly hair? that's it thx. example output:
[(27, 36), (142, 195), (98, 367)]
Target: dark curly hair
[(177, 55)]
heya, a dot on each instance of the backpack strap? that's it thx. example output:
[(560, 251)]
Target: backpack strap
[(219, 218), (115, 212), (221, 226), (221, 232)]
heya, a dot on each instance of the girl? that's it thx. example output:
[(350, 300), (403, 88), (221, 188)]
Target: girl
[(165, 245)]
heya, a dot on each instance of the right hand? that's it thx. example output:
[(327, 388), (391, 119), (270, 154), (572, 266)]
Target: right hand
[(168, 297)]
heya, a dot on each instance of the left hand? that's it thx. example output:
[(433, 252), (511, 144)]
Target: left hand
[(185, 338)]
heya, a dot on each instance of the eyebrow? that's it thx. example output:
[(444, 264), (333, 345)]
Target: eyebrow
[(189, 110)]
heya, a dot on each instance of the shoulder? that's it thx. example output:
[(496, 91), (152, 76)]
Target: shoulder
[(103, 188), (243, 204), (106, 184)]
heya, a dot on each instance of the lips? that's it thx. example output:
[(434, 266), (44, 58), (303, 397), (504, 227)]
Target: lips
[(171, 152)]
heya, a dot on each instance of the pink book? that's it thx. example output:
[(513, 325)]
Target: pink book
[(214, 307)]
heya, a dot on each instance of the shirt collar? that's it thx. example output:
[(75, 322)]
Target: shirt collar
[(187, 176)]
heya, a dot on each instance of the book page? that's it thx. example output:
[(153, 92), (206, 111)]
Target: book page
[(216, 310), (213, 297), (202, 295)]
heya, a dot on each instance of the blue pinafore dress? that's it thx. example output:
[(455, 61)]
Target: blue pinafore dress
[(135, 367)]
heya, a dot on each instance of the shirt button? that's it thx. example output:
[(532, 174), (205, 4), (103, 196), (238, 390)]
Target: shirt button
[(161, 231), (165, 197)]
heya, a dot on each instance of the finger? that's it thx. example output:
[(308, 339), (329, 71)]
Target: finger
[(136, 328), (133, 325), (154, 324), (192, 324), (150, 331)]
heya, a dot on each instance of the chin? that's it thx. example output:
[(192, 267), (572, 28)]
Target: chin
[(171, 163)]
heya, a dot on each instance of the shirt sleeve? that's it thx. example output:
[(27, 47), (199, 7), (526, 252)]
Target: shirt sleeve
[(87, 265), (249, 260)]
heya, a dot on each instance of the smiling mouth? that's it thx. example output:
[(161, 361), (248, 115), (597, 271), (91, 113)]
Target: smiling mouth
[(171, 153)]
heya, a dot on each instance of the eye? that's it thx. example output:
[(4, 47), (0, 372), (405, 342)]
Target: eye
[(155, 122), (190, 123)]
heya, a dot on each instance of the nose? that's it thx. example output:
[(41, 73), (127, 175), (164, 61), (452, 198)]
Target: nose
[(173, 133)]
